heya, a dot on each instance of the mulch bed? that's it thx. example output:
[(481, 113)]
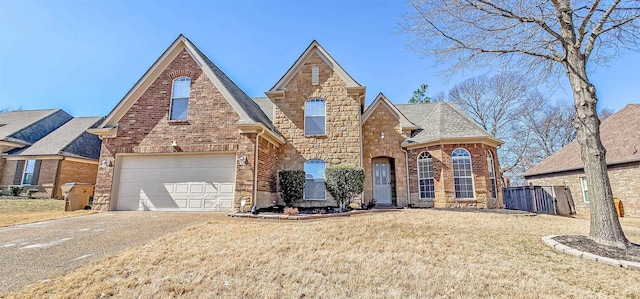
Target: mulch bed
[(585, 244)]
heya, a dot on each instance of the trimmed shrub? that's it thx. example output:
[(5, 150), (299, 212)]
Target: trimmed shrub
[(343, 183), (15, 190), (291, 185), (291, 211)]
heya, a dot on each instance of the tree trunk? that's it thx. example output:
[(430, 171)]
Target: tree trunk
[(605, 226)]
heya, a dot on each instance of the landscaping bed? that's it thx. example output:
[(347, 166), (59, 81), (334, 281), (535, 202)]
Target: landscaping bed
[(583, 243)]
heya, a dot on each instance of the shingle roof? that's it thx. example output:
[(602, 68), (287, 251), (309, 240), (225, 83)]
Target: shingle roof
[(620, 136), (14, 125), (61, 141), (439, 121), (246, 103), (266, 105)]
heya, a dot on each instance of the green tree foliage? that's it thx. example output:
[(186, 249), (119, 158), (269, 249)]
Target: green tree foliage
[(344, 182), (419, 95), (291, 185)]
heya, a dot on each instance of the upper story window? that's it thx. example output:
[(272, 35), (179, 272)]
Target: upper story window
[(314, 117), (314, 185), (27, 174), (180, 98), (492, 175), (425, 176), (462, 174)]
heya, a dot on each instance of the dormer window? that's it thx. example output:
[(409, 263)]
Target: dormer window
[(314, 117), (180, 98)]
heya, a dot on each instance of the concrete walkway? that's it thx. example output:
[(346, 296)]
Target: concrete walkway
[(37, 251)]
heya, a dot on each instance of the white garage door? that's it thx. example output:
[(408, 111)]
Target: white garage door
[(176, 183)]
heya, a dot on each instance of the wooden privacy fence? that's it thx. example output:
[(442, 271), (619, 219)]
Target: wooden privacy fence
[(554, 200)]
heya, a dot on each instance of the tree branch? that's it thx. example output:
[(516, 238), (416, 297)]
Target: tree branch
[(597, 30)]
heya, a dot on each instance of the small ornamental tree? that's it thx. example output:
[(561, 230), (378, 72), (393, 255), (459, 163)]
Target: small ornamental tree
[(291, 185), (343, 183)]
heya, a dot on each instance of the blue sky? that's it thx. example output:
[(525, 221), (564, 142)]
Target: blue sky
[(83, 56)]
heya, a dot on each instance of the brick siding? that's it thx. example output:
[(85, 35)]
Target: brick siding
[(210, 127), (443, 176)]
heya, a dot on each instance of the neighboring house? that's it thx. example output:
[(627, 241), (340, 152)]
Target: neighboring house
[(43, 149), (185, 137), (620, 135)]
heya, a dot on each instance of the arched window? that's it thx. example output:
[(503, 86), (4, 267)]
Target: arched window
[(180, 98), (462, 174), (492, 175), (314, 185), (314, 117), (425, 176)]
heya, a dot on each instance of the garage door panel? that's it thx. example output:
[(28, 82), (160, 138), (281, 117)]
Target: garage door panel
[(198, 182)]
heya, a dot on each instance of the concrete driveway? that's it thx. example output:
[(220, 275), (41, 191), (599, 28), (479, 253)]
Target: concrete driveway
[(36, 251)]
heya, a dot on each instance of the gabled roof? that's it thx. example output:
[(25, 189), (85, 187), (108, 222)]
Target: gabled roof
[(442, 121), (316, 48), (246, 108), (27, 126), (382, 100), (620, 136), (70, 139)]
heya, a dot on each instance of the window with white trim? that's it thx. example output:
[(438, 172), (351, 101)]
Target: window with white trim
[(27, 174), (180, 98), (425, 176), (462, 173), (314, 117), (314, 184), (585, 189), (315, 75), (492, 175)]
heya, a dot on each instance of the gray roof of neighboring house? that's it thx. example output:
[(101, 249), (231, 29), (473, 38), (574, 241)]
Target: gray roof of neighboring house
[(619, 134), (28, 126), (246, 103), (70, 139), (440, 120)]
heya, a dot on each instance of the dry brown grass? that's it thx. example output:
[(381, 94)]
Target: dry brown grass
[(414, 253), (18, 211)]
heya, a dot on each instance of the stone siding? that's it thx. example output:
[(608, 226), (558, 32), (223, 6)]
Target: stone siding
[(443, 177), (210, 127), (373, 146), (625, 185), (340, 145)]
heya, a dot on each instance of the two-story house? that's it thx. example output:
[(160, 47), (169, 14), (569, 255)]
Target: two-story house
[(185, 137)]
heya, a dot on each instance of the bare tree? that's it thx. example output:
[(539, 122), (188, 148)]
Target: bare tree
[(551, 126), (499, 104), (548, 36)]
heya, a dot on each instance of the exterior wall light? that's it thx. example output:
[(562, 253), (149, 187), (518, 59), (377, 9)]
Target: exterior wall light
[(382, 134)]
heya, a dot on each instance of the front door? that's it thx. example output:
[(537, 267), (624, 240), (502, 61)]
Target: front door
[(382, 181)]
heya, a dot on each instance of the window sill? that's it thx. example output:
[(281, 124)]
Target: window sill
[(316, 136), (427, 199), (465, 200), (315, 199), (178, 122)]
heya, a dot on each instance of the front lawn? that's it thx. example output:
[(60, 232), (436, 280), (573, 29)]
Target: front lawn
[(409, 254), (20, 211)]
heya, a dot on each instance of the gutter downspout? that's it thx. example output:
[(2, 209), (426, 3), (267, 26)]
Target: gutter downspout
[(406, 157), (255, 173)]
